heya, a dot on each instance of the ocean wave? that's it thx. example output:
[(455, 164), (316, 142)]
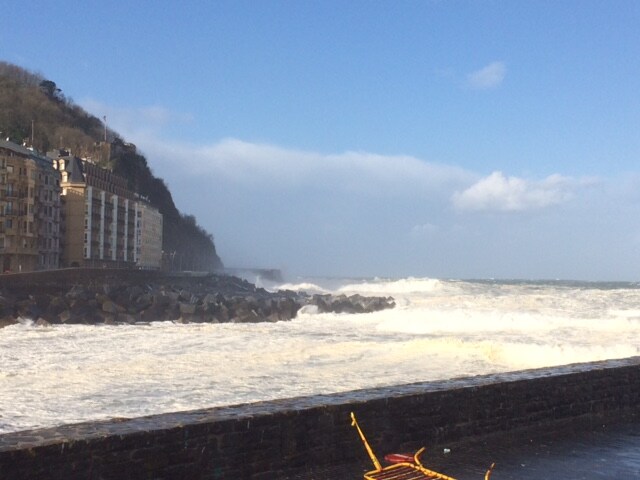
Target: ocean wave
[(441, 329), (387, 287)]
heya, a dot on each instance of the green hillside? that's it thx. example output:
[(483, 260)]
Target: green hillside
[(35, 111)]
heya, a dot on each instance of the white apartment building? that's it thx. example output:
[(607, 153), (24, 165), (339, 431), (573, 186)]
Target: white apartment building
[(148, 236)]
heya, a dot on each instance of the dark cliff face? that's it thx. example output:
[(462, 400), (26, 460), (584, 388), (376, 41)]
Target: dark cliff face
[(187, 245), (34, 108)]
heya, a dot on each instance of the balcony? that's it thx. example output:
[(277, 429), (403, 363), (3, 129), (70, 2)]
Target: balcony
[(9, 195)]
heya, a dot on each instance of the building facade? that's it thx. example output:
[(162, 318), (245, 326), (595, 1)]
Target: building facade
[(29, 210), (105, 223), (63, 211), (99, 215), (148, 240)]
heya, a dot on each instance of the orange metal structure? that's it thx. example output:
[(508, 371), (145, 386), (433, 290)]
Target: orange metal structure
[(403, 468)]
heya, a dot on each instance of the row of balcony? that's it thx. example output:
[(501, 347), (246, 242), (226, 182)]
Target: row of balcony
[(16, 249)]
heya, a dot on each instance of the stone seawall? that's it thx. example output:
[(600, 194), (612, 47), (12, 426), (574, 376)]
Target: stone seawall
[(263, 440), (68, 277)]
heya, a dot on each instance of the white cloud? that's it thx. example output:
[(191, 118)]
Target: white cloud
[(265, 166), (512, 194), (487, 77), (272, 166), (424, 230)]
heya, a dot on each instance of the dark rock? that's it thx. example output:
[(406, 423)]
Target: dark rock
[(6, 321), (135, 292), (163, 300), (77, 292), (109, 306), (64, 316), (187, 308), (41, 301), (56, 306), (41, 322), (143, 302), (127, 318), (352, 304), (212, 299)]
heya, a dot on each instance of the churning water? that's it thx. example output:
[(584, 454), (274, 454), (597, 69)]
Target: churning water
[(439, 329)]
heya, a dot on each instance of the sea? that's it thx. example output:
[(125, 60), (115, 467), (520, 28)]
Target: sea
[(439, 329)]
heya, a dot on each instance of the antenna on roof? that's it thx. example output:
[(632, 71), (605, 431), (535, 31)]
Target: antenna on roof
[(32, 133), (105, 128)]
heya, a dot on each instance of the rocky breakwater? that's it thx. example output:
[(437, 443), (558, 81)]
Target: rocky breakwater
[(213, 299)]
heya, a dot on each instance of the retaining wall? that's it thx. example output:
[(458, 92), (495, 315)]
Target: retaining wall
[(264, 439), (68, 277)]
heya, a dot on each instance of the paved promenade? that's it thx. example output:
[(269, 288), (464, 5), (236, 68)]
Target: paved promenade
[(609, 452)]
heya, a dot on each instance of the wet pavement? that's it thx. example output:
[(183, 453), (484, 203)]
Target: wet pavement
[(607, 452)]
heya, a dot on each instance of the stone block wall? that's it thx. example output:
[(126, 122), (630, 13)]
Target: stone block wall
[(262, 440), (68, 277)]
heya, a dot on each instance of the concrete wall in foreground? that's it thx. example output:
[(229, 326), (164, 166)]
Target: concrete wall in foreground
[(261, 440)]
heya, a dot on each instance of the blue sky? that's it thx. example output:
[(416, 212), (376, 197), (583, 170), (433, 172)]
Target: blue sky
[(452, 139)]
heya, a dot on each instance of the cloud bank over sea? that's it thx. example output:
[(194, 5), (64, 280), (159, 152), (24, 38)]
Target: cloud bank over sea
[(365, 213)]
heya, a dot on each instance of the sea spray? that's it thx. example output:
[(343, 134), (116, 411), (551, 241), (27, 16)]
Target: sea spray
[(439, 329)]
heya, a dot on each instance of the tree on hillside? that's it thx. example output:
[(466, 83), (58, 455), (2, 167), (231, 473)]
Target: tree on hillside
[(51, 90)]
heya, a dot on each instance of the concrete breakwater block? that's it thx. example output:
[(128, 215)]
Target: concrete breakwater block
[(119, 298)]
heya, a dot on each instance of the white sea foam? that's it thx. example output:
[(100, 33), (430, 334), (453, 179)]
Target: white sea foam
[(300, 287), (402, 286), (441, 329)]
